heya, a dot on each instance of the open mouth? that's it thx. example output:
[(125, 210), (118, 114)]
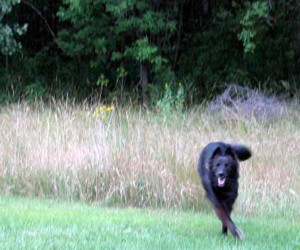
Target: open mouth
[(221, 181)]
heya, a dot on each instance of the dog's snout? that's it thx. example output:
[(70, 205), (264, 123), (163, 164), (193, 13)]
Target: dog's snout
[(221, 174)]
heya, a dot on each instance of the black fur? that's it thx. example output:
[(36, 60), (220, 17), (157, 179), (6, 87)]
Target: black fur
[(218, 169)]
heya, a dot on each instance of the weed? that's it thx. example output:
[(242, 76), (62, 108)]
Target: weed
[(142, 158)]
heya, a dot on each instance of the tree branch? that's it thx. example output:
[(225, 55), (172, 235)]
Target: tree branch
[(41, 16)]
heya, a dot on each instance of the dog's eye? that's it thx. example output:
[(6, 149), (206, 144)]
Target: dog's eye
[(218, 164), (226, 165)]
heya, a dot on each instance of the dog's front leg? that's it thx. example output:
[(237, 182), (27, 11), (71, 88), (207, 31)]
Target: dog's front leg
[(228, 223)]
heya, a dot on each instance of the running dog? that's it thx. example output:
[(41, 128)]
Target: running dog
[(218, 169)]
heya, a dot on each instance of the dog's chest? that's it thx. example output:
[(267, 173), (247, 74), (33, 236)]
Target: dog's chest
[(228, 192)]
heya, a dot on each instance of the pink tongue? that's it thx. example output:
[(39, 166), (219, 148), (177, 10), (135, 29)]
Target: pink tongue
[(221, 181)]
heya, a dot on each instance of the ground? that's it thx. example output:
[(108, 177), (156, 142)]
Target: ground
[(45, 224)]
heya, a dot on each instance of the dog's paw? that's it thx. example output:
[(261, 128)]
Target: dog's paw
[(239, 234)]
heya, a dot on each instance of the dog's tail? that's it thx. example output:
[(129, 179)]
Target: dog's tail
[(243, 153)]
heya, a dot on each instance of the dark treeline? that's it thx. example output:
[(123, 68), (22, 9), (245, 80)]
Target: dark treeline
[(141, 49)]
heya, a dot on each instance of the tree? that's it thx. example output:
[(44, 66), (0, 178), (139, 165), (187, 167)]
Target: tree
[(8, 43), (120, 34), (107, 46)]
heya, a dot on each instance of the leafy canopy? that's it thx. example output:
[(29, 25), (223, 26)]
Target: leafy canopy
[(8, 44)]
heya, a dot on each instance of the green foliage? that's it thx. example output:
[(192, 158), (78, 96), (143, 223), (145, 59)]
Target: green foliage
[(34, 91), (244, 44), (6, 6), (255, 16), (172, 100), (204, 43), (102, 81), (142, 51), (8, 44), (124, 35)]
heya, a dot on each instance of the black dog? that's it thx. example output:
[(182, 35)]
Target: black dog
[(218, 169)]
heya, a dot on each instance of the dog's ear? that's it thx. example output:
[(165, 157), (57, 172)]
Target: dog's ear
[(217, 152), (229, 151)]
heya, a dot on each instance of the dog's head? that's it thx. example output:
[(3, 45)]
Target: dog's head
[(224, 165)]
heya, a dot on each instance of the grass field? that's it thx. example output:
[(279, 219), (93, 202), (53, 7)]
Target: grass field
[(98, 158), (143, 158), (36, 224)]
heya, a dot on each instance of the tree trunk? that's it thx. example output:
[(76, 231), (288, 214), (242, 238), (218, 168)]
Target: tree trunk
[(179, 33), (6, 63), (144, 80)]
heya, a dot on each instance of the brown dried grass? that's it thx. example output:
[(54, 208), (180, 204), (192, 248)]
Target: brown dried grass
[(142, 158)]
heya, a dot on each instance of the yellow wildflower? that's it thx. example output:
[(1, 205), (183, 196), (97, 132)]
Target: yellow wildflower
[(103, 112)]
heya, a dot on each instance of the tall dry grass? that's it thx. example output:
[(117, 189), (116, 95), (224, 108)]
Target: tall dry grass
[(142, 158)]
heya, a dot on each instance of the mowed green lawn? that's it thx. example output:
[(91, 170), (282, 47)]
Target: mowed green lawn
[(40, 224)]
